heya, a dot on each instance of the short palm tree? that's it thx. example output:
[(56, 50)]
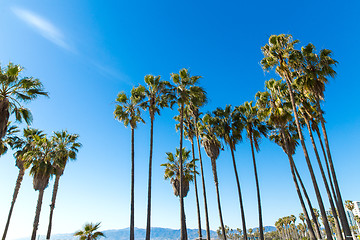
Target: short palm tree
[(212, 148), (185, 91), (350, 206), (172, 172), (66, 146), (40, 157), (89, 232), (22, 146), (254, 129), (127, 110), (281, 54), (158, 95), (229, 129), (13, 91)]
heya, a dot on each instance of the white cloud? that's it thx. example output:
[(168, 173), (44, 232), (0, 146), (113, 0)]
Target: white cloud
[(43, 26)]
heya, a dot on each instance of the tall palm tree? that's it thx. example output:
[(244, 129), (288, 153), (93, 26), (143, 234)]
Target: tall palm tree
[(66, 147), (23, 145), (229, 129), (13, 91), (157, 96), (90, 232), (194, 113), (40, 157), (189, 133), (316, 69), (280, 53), (304, 112), (254, 129), (274, 108), (172, 172), (212, 147), (185, 90), (127, 110)]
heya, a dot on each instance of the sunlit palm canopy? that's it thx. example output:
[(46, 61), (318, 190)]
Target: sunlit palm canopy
[(127, 109), (90, 232), (251, 122), (15, 90)]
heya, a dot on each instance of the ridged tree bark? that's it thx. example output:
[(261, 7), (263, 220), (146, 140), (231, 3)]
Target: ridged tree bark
[(132, 210), (52, 206), (239, 192), (261, 230), (291, 162), (316, 188), (4, 116), (148, 220), (203, 187), (16, 192), (37, 214), (196, 191), (339, 202), (332, 206), (183, 232)]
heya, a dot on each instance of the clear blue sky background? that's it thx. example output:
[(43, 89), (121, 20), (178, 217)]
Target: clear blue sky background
[(85, 52)]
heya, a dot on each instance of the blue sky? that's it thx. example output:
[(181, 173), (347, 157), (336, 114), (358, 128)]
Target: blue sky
[(85, 52)]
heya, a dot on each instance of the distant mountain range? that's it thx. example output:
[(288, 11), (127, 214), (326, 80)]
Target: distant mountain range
[(156, 234)]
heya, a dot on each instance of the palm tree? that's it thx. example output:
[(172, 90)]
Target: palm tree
[(280, 53), (66, 147), (13, 91), (212, 147), (23, 145), (254, 129), (172, 172), (189, 133), (185, 90), (229, 129), (275, 110), (157, 96), (316, 69), (40, 157), (90, 232), (195, 114), (304, 113), (127, 111)]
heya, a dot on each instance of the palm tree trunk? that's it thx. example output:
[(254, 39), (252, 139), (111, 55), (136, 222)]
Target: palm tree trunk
[(261, 230), (52, 206), (316, 188), (183, 233), (213, 165), (203, 187), (316, 223), (16, 192), (327, 164), (37, 214), (4, 117), (333, 209), (239, 192), (291, 162), (132, 210), (196, 191), (148, 220), (340, 205)]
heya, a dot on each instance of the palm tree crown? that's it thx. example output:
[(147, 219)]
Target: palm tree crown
[(15, 90), (90, 232)]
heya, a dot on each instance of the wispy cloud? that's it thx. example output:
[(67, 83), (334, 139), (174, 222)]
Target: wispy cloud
[(43, 26)]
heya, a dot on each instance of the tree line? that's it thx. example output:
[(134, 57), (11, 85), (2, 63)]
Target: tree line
[(283, 112), (45, 156)]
